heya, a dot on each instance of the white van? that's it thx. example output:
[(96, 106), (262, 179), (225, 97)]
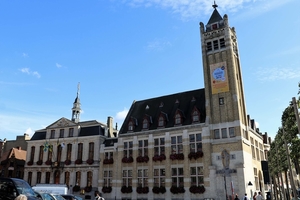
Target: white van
[(51, 188)]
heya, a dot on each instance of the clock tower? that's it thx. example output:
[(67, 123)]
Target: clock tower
[(224, 93)]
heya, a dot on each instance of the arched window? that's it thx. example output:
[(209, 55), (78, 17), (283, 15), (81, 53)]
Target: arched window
[(178, 119), (145, 124), (161, 121), (130, 126), (195, 115)]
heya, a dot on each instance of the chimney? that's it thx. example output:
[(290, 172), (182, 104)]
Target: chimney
[(110, 126)]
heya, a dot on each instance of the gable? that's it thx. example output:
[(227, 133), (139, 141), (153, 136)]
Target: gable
[(62, 122)]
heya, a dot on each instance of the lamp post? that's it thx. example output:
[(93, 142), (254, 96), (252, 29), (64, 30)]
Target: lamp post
[(251, 193)]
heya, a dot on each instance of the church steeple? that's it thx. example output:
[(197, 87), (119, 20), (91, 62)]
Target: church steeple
[(76, 107)]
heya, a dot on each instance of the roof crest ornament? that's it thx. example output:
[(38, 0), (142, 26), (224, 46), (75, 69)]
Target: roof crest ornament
[(215, 5)]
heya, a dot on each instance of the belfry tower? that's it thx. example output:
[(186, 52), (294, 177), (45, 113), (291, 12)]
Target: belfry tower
[(224, 93), (76, 107)]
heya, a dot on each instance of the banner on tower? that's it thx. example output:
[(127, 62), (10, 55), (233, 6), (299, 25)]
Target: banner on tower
[(219, 78)]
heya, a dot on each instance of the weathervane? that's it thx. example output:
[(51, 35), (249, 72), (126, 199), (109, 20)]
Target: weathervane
[(215, 5)]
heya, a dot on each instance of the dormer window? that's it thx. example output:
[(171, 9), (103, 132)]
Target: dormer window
[(195, 115), (145, 124), (52, 135), (214, 26), (161, 121), (178, 119), (130, 126)]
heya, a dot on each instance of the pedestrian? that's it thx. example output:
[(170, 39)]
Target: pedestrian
[(254, 196), (21, 197), (245, 197), (259, 197), (236, 197), (97, 196)]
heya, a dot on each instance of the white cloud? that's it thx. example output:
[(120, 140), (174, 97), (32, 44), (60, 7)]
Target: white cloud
[(30, 132), (25, 55), (278, 73), (122, 114), (27, 71), (158, 45), (58, 65)]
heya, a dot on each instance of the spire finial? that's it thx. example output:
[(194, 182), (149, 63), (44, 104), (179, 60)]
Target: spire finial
[(215, 5), (78, 89)]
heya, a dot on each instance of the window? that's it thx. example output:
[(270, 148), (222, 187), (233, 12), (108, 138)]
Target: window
[(161, 121), (195, 115), (222, 43), (195, 142), (221, 101), (89, 178), (59, 151), (32, 153), (209, 46), (107, 176), (178, 119), (159, 177), (69, 149), (52, 135), (216, 44), (29, 178), (224, 132), (176, 145), (91, 150), (38, 177), (71, 132), (145, 124), (217, 134), (128, 149), (62, 133), (67, 178), (109, 155), (127, 177), (78, 178), (159, 146), (231, 132), (47, 177), (177, 177), (197, 177), (50, 152), (130, 126), (79, 151), (41, 154), (143, 148), (142, 177), (214, 26)]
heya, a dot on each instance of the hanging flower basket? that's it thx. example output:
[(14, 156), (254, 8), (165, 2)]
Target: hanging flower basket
[(162, 189), (195, 155), (197, 189), (106, 189), (48, 162), (141, 159), (90, 161), (179, 156), (108, 161), (155, 190), (30, 163), (142, 190), (177, 190), (67, 162), (159, 157), (126, 189), (78, 161), (127, 160), (76, 188), (40, 162), (88, 188)]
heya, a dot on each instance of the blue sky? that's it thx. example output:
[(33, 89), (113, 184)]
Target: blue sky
[(126, 50)]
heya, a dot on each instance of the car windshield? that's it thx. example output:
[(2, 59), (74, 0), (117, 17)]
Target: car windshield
[(24, 188), (58, 197)]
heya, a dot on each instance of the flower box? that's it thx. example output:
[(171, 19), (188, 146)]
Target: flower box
[(159, 157), (127, 160), (158, 190), (141, 159), (67, 162), (179, 156), (142, 190), (197, 189), (177, 190), (90, 161), (30, 163), (126, 189), (76, 188), (195, 155), (40, 162), (88, 188), (48, 162), (78, 161), (106, 189)]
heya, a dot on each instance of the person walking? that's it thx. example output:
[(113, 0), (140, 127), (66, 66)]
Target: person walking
[(245, 197), (236, 197), (254, 196), (97, 196), (259, 196)]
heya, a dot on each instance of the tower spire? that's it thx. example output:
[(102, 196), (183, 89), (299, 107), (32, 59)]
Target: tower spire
[(215, 5), (76, 106)]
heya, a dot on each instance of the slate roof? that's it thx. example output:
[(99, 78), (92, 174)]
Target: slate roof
[(151, 109), (215, 17)]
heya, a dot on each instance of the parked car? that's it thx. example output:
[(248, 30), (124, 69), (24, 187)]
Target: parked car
[(48, 196), (10, 188), (71, 197)]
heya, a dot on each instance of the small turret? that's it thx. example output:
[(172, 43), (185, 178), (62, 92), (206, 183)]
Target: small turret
[(76, 107)]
